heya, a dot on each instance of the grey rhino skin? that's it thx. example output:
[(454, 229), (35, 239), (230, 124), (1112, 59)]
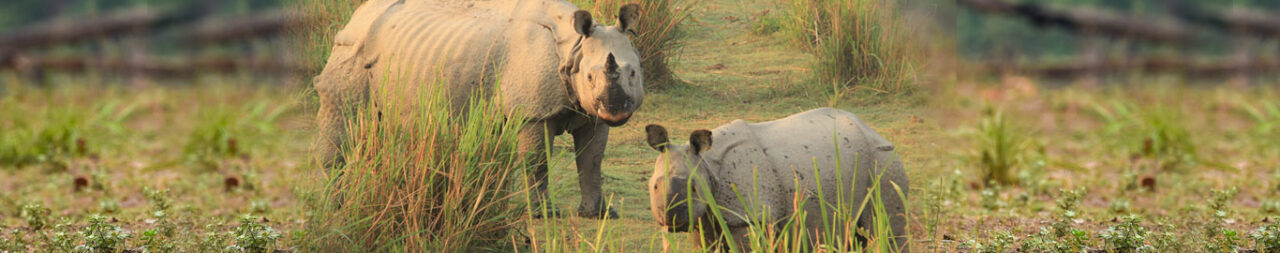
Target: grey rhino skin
[(775, 159), (545, 59)]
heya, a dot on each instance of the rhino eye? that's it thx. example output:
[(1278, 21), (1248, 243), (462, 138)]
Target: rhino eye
[(633, 73), (588, 77)]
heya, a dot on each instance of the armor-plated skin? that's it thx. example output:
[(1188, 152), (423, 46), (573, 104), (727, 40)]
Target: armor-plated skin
[(759, 170), (545, 59)]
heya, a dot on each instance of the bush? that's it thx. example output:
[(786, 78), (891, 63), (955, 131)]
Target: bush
[(658, 37), (422, 178), (857, 43)]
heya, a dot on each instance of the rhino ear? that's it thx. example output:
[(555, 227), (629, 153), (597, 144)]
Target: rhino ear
[(628, 17), (657, 137), (582, 22), (700, 140)]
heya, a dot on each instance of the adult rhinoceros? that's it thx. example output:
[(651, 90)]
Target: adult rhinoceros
[(544, 58), (760, 173)]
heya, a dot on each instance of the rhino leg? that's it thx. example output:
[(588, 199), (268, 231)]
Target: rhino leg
[(343, 89), (589, 142), (534, 139), (890, 171)]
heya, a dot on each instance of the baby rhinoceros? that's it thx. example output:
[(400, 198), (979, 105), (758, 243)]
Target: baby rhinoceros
[(824, 161)]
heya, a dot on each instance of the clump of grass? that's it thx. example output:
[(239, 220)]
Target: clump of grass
[(422, 177), (1167, 139), (658, 38), (1001, 147), (1128, 236), (222, 132), (858, 43)]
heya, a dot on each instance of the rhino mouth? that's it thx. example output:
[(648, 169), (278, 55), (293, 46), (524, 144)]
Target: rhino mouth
[(614, 115)]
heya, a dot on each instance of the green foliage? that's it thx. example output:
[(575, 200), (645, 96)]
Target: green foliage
[(659, 37), (1220, 238), (998, 244), (14, 242), (767, 24), (252, 236), (102, 236), (857, 43), (223, 133), (1128, 236), (1067, 202), (54, 136), (1267, 237), (36, 214), (1002, 147), (214, 239), (153, 241)]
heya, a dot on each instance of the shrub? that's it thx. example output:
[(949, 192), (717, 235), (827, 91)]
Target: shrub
[(857, 42), (658, 37), (422, 178)]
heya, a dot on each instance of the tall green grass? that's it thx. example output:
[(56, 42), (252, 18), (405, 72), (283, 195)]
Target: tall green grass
[(422, 178), (858, 43), (313, 37), (658, 37)]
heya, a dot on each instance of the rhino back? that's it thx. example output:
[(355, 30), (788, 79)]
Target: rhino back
[(464, 52)]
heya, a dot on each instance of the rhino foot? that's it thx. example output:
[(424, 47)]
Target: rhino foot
[(603, 212), (540, 212)]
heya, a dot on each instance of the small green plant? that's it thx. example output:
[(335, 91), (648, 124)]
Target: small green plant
[(252, 236), (63, 239), (36, 214), (998, 244), (1267, 237), (214, 239), (160, 205), (1067, 202), (1221, 239), (1001, 147), (991, 199), (1128, 236), (109, 206), (1270, 207), (260, 207), (1167, 241), (1119, 206), (102, 236), (152, 241), (14, 243)]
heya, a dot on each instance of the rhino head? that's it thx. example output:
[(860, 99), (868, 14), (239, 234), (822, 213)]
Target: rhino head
[(678, 174), (602, 72)]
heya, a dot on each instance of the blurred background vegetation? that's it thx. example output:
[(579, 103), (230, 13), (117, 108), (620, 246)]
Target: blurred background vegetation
[(983, 36)]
